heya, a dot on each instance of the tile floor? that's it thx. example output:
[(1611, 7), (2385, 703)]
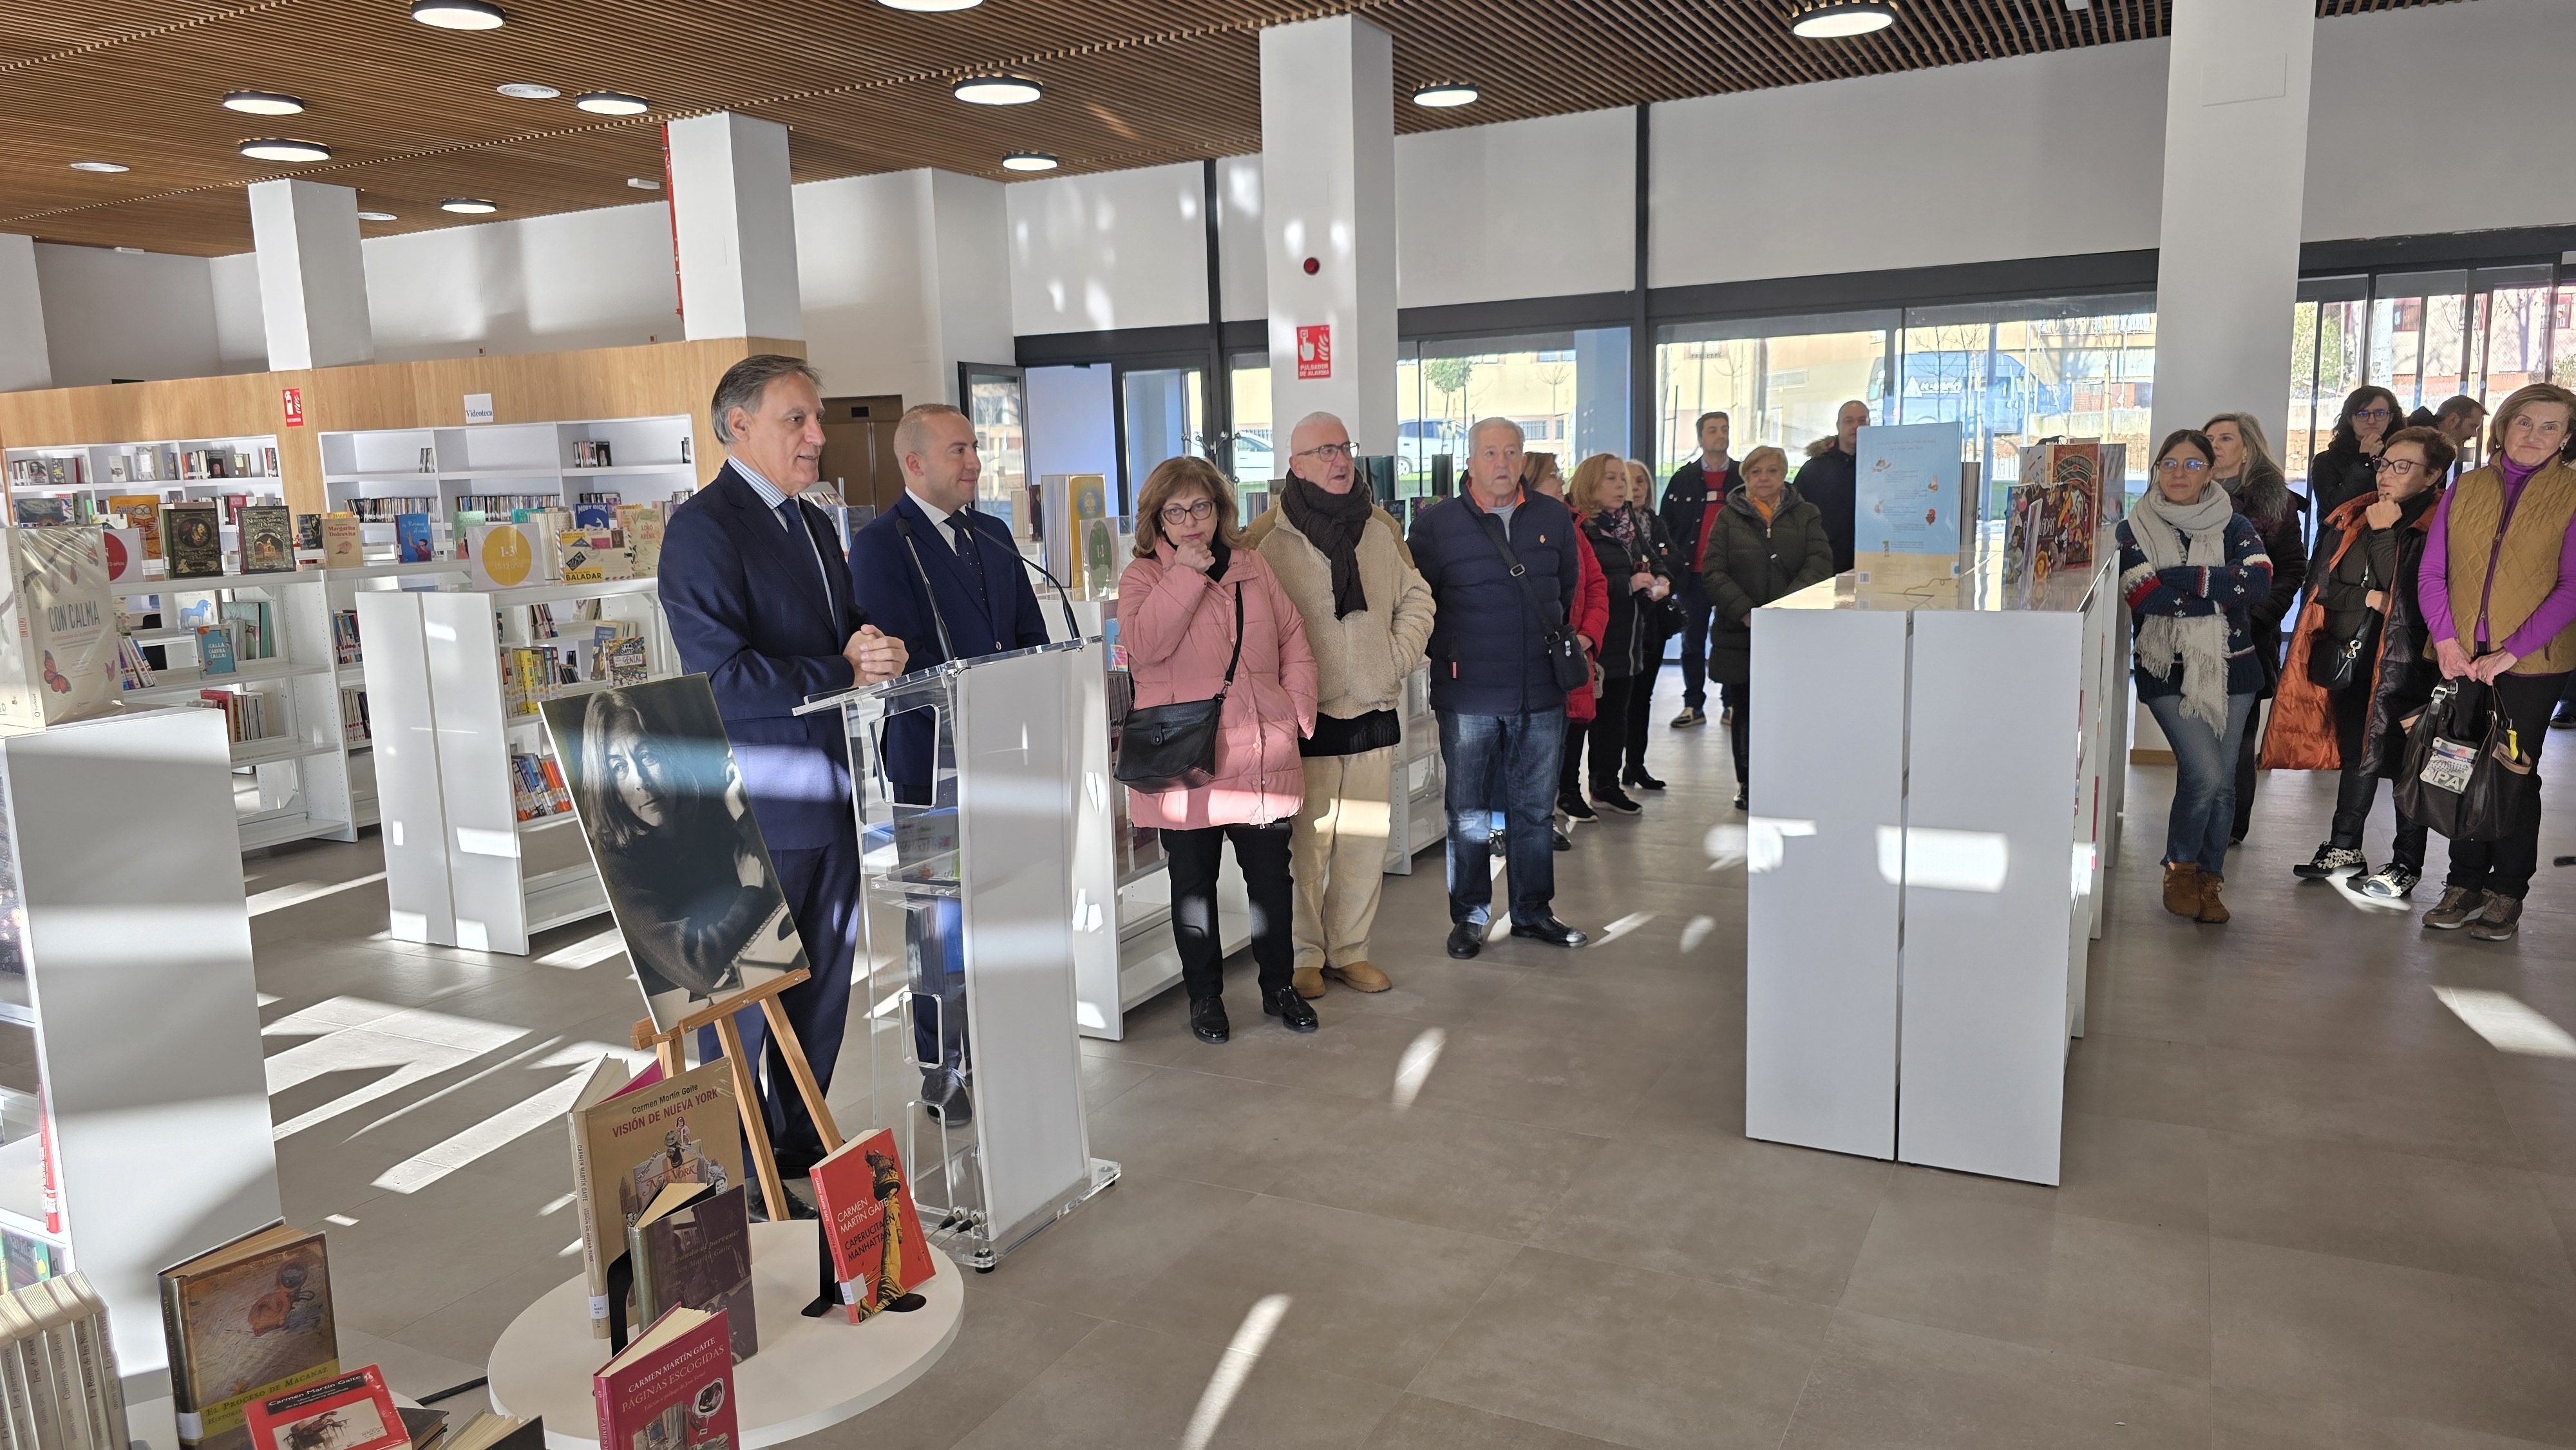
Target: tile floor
[(2306, 1204)]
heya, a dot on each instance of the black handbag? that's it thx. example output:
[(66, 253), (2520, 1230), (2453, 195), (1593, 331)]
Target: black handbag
[(1565, 658), (2340, 664), (2463, 775), (1173, 747)]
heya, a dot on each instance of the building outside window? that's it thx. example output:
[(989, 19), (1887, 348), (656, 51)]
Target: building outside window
[(1779, 380), (1257, 451), (1567, 390)]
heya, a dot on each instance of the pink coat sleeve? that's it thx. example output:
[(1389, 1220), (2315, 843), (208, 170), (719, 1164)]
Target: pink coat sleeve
[(1296, 658), (1154, 608)]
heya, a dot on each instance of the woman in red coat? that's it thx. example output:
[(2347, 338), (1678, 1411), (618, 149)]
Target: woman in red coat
[(1591, 621), (1177, 619)]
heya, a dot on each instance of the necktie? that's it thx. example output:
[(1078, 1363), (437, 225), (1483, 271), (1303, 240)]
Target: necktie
[(961, 524), (792, 516)]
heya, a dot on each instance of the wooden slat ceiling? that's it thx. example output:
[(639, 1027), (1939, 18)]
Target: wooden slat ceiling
[(412, 117)]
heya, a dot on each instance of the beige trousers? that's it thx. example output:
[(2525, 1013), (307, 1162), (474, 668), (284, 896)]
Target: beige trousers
[(1337, 855)]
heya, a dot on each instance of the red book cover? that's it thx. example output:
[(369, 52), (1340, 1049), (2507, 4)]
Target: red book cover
[(353, 1411), (868, 1220), (672, 1389)]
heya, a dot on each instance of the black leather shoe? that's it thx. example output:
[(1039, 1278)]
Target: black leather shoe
[(1612, 798), (1551, 931), (1207, 1020), (1465, 940), (1559, 843), (1573, 805), (1293, 1011), (1641, 780)]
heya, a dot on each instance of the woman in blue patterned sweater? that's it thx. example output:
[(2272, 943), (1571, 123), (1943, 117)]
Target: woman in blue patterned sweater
[(2192, 569)]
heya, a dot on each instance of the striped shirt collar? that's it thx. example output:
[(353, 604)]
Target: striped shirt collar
[(770, 495)]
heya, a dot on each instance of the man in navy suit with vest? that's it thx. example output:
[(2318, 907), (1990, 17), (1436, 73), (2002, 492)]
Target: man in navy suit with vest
[(949, 583), (759, 602)]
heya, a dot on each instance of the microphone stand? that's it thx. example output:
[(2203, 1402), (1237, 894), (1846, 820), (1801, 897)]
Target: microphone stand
[(904, 526), (1064, 600)]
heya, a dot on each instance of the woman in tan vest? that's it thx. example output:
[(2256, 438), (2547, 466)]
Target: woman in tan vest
[(2498, 590)]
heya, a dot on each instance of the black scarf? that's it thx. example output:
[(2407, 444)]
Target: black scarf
[(1332, 522)]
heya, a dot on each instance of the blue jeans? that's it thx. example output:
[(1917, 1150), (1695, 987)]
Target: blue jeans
[(1515, 756), (1696, 611), (2204, 801)]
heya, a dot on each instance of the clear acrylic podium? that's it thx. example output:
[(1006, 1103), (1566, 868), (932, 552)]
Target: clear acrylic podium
[(963, 780)]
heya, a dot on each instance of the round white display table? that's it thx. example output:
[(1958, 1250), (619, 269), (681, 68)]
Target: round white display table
[(810, 1373)]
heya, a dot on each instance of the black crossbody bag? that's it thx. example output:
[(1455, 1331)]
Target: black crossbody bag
[(1173, 747), (1564, 653)]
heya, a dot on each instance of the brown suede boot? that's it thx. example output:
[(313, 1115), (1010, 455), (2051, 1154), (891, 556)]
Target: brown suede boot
[(1309, 982), (1359, 977), (2213, 911), (2182, 888)]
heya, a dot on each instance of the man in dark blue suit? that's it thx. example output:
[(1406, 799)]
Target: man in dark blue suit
[(760, 603), (940, 577)]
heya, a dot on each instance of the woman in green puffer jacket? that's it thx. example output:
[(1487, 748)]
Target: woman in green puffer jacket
[(1763, 542)]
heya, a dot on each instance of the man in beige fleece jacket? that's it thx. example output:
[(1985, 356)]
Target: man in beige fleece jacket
[(1368, 614)]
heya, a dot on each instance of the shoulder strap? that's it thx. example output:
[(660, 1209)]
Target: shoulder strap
[(1237, 657), (1520, 573)]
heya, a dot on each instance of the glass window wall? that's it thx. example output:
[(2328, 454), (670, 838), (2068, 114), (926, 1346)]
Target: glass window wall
[(1779, 380), (2011, 374), (1255, 452), (1567, 390)]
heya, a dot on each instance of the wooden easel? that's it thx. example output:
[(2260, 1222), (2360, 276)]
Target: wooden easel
[(667, 1049)]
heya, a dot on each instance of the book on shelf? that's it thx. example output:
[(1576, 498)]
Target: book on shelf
[(142, 513), (693, 1247), (504, 556), (308, 533), (267, 539), (592, 453), (42, 511), (194, 540), (644, 542), (672, 1389), (345, 647), (460, 528), (633, 1136), (215, 651), (133, 671), (343, 541), (356, 728), (26, 1259), (245, 713), (352, 1411), (253, 625), (411, 538), (124, 554), (870, 1228), (58, 637), (600, 515), (425, 1428), (386, 510), (248, 1321), (536, 787), (59, 1384)]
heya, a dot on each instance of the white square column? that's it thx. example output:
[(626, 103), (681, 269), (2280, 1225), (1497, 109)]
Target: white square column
[(1328, 194), (2236, 157), (735, 219), (312, 278), (24, 361)]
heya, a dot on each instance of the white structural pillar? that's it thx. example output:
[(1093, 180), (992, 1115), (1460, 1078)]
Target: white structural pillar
[(1328, 194), (2236, 156), (735, 218), (312, 278), (24, 361), (964, 237)]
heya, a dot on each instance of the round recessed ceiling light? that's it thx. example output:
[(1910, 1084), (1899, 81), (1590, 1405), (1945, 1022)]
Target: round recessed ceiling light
[(929, 7), (375, 216), (1839, 19), (611, 103), (283, 150), (528, 91), (643, 183), (996, 90), (459, 14), (1028, 161), (100, 166), (1441, 97), (262, 103), (468, 206)]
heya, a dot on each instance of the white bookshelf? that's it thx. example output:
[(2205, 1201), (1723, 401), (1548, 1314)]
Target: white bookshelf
[(127, 1002), (342, 588), (461, 869), (1417, 787), (446, 465), (294, 783), (108, 471)]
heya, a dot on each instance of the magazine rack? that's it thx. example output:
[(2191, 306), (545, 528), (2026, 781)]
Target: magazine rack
[(964, 779)]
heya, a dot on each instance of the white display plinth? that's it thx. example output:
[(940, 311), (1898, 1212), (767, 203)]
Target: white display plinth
[(810, 1373), (1934, 805)]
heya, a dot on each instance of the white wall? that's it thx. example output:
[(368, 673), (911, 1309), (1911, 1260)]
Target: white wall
[(2428, 95), (1243, 270), (241, 333), (1115, 249), (111, 315), (859, 262), (540, 284), (1542, 208)]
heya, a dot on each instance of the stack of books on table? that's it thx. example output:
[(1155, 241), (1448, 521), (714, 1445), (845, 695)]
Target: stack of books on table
[(58, 1381)]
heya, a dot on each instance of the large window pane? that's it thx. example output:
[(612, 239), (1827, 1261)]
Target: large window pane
[(1166, 416), (1779, 380), (1567, 390), (2517, 340), (1255, 446), (2013, 373)]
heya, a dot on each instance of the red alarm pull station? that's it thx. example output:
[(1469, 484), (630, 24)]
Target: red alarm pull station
[(1313, 266)]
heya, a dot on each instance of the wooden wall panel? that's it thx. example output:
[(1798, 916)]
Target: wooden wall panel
[(652, 380)]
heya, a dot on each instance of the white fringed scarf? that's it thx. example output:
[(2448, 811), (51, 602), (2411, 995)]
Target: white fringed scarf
[(2193, 534)]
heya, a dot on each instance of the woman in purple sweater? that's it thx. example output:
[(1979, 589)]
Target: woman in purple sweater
[(2498, 591)]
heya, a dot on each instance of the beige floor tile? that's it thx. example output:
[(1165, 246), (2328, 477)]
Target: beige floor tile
[(2387, 1340), (1786, 1221), (2396, 1208), (1352, 1055), (2135, 1170), (2243, 1420), (2558, 1195), (2428, 1110), (1093, 1259), (1221, 1130), (1419, 1423), (1658, 1361), (1124, 1387), (1886, 1385), (1548, 1080), (1449, 1170), (1002, 1345), (2138, 1077), (1367, 1297)]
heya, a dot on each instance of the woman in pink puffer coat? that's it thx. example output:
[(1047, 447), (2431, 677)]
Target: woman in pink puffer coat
[(1176, 622)]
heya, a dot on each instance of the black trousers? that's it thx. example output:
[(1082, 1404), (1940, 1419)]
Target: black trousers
[(1641, 703), (1696, 613), (821, 885), (1606, 742), (1739, 731), (2246, 750), (1261, 854), (1569, 766), (2505, 867), (2358, 789)]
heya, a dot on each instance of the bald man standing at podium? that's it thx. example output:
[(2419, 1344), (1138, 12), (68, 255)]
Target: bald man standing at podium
[(760, 603)]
